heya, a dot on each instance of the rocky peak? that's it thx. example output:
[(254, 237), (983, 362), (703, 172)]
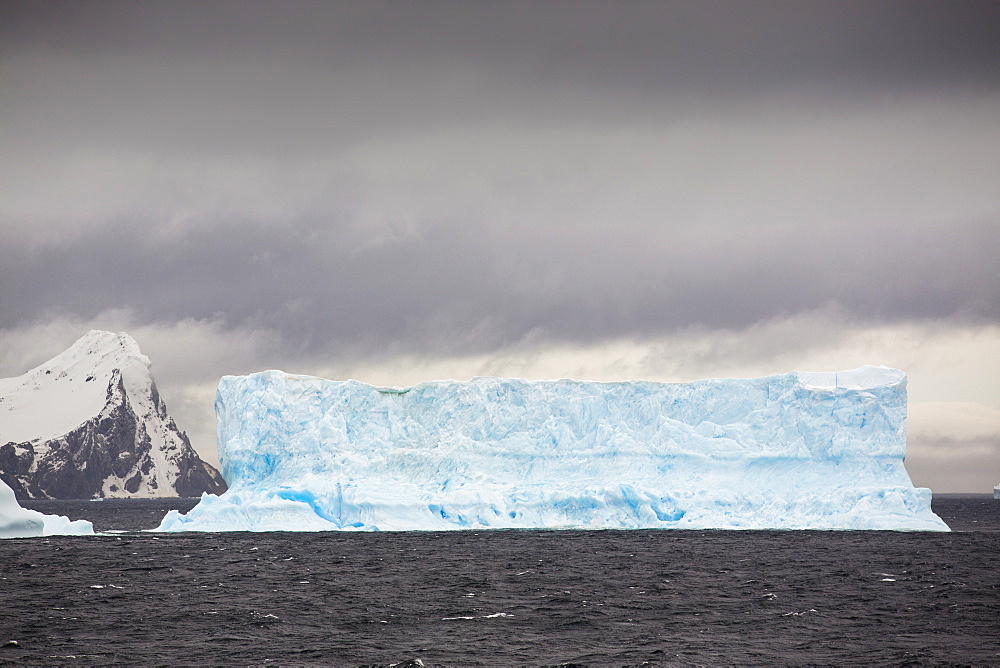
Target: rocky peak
[(90, 423)]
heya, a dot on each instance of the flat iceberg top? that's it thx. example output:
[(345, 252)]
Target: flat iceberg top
[(796, 450), (866, 377)]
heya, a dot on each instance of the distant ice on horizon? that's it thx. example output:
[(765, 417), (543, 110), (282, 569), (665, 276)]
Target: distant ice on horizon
[(793, 451)]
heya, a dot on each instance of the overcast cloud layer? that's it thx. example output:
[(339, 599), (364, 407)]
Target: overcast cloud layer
[(536, 189)]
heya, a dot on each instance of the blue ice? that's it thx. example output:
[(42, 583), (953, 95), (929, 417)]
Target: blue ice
[(792, 451)]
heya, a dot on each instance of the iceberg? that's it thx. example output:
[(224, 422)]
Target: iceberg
[(792, 451), (18, 522)]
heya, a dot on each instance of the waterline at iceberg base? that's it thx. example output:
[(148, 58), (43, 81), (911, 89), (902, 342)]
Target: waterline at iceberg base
[(793, 451)]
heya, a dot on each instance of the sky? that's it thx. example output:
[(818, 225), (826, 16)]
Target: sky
[(397, 192)]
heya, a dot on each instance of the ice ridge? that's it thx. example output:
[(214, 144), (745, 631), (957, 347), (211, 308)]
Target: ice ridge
[(792, 451)]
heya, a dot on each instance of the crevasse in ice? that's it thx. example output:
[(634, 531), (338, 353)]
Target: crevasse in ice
[(793, 451)]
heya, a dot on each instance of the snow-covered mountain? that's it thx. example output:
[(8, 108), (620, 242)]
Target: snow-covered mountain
[(89, 423)]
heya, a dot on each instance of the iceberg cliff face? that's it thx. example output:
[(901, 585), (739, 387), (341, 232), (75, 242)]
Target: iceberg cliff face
[(795, 451)]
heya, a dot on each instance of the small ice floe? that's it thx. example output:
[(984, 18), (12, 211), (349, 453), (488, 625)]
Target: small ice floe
[(264, 618), (799, 614), (493, 616), (97, 586), (887, 580)]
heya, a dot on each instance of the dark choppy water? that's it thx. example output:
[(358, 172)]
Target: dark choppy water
[(502, 597)]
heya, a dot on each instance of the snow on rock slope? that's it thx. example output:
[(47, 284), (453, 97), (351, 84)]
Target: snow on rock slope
[(89, 423), (18, 522), (795, 451)]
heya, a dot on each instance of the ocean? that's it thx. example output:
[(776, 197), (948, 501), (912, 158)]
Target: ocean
[(501, 597)]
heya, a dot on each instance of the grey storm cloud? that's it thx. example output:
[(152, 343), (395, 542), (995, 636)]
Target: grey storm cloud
[(457, 176), (311, 76), (465, 289)]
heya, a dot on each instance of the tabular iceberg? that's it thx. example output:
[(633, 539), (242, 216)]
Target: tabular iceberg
[(793, 451)]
